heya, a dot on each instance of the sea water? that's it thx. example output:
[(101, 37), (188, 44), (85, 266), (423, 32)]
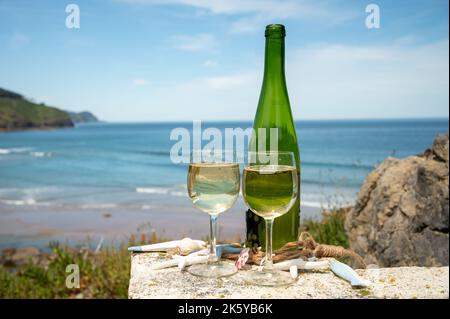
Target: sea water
[(127, 165)]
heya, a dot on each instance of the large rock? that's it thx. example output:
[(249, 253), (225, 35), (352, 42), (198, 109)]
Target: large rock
[(401, 215)]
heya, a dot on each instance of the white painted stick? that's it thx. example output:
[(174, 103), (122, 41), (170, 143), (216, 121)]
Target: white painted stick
[(301, 264), (185, 242), (176, 259), (346, 272), (191, 260), (156, 247), (165, 264)]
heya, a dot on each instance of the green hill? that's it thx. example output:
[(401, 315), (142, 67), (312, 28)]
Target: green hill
[(17, 113)]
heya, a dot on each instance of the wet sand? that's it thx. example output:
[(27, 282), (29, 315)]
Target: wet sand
[(37, 226)]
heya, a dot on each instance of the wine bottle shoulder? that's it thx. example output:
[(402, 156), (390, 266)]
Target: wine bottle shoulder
[(276, 116)]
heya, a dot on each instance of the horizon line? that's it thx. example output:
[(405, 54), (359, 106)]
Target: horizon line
[(295, 120)]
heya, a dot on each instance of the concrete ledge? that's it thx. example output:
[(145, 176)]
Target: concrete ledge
[(399, 282)]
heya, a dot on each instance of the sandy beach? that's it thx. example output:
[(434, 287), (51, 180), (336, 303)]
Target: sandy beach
[(37, 226)]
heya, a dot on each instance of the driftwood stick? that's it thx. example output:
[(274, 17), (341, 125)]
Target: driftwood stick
[(304, 248)]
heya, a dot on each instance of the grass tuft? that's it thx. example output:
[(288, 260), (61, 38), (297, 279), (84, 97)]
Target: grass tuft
[(330, 230), (102, 275)]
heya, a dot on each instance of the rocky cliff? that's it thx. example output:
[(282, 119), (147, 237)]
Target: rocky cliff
[(401, 216), (82, 117)]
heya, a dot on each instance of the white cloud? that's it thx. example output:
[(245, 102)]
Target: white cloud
[(229, 81), (207, 98), (210, 63), (270, 11), (199, 42), (274, 7), (344, 81), (260, 12), (324, 81), (249, 24), (140, 82)]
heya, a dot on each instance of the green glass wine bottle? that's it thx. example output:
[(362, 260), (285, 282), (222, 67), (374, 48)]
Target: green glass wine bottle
[(274, 111)]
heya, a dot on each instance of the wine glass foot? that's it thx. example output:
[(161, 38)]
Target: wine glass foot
[(269, 278), (213, 270)]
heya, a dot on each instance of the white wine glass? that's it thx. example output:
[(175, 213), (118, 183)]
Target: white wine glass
[(213, 186), (269, 188)]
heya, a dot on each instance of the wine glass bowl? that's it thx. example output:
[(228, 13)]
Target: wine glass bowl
[(213, 185), (270, 189)]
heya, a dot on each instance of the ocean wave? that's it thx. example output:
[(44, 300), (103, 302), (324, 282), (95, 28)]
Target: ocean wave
[(92, 206), (323, 205), (99, 206), (161, 191), (333, 183), (156, 153), (24, 151), (354, 165), (314, 204), (339, 165), (29, 192), (80, 207), (41, 154), (103, 206), (15, 150), (19, 202)]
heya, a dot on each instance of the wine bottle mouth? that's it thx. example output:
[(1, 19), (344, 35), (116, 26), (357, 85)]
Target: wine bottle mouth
[(275, 31)]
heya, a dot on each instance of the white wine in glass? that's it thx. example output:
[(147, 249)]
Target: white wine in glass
[(270, 189), (270, 202), (213, 187)]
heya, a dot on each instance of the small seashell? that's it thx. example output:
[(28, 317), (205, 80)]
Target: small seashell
[(242, 259), (187, 246)]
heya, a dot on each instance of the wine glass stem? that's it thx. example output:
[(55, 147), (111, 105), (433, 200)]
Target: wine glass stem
[(268, 264), (212, 258)]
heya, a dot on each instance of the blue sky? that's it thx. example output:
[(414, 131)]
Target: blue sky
[(155, 60)]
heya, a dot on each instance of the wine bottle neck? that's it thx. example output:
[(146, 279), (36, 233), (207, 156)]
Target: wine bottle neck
[(274, 62)]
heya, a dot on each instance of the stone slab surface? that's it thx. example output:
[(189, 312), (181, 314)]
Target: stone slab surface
[(398, 282)]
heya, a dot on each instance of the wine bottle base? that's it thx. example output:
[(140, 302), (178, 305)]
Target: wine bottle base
[(272, 278), (214, 270)]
